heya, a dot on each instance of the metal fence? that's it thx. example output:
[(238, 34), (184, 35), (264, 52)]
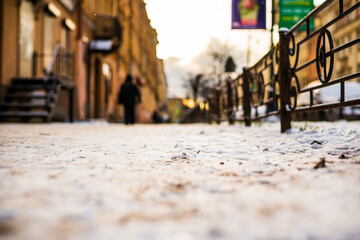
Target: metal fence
[(60, 63), (273, 85)]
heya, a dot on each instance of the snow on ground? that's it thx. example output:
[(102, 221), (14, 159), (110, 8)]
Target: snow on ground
[(110, 181)]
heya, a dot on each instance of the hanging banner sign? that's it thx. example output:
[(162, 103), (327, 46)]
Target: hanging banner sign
[(292, 11), (248, 14)]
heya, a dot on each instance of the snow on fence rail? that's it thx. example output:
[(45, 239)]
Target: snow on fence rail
[(272, 85)]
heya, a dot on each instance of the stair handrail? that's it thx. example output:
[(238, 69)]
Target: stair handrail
[(52, 61)]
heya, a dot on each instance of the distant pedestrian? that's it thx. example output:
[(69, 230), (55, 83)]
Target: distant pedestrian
[(156, 116), (129, 95)]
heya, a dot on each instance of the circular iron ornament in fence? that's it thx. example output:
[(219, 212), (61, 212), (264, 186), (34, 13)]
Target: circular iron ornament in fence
[(294, 89), (293, 97), (260, 88), (292, 50), (324, 72)]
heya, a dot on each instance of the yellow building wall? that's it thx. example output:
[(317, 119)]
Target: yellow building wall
[(102, 7), (136, 55), (9, 41), (134, 60), (1, 40)]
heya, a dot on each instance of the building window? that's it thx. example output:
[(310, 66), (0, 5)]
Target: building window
[(91, 5), (26, 38), (65, 38), (65, 35), (64, 50), (48, 38), (350, 48), (343, 43), (51, 12), (338, 53)]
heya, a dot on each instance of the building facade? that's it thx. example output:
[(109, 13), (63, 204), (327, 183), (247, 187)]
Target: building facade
[(103, 40)]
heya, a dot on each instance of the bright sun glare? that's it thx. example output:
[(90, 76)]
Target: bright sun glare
[(185, 26)]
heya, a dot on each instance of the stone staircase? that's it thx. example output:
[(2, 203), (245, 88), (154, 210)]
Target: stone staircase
[(30, 100)]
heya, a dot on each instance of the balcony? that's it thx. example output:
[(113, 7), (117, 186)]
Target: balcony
[(107, 34)]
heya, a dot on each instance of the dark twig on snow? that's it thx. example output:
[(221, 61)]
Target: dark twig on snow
[(317, 142), (320, 164)]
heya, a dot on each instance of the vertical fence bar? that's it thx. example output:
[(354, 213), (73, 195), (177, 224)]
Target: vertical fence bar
[(246, 97), (284, 76), (57, 59), (307, 28), (342, 92), (230, 103), (217, 103), (236, 95), (341, 7), (34, 64)]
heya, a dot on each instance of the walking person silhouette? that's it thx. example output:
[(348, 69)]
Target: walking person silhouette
[(129, 95)]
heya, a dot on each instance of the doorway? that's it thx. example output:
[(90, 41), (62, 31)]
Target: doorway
[(103, 89), (107, 72), (98, 90)]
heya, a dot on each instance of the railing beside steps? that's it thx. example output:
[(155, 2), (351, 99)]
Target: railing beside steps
[(60, 64), (272, 86)]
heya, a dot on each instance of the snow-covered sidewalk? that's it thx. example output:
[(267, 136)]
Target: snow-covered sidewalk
[(110, 181)]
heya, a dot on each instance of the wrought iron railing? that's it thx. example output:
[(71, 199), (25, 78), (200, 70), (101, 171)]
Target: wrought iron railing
[(60, 63), (273, 84)]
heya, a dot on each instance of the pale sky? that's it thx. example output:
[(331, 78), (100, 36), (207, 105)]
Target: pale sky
[(184, 28)]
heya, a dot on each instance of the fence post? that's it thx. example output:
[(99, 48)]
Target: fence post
[(284, 76), (246, 97), (217, 103), (230, 104)]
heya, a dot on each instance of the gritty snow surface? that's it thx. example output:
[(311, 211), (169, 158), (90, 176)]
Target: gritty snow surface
[(95, 180)]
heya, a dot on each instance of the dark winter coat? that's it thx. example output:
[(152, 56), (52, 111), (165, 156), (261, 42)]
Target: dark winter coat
[(129, 94)]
